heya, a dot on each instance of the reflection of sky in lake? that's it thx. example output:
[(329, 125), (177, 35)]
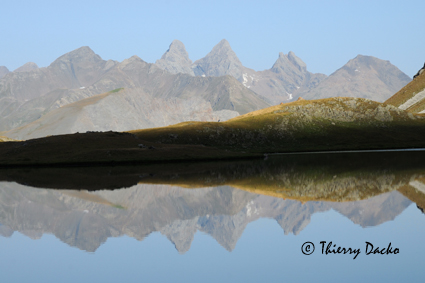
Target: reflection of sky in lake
[(262, 253)]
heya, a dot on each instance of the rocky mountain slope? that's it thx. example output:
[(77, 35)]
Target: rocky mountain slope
[(176, 59), (27, 67), (411, 97), (220, 79), (79, 68), (23, 94), (81, 81), (288, 78), (221, 61), (282, 82), (3, 71), (364, 77), (121, 110)]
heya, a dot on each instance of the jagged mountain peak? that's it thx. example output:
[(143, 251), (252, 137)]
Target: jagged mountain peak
[(369, 62), (177, 45), (81, 67), (83, 55), (176, 59), (287, 62), (223, 48), (297, 61), (27, 67), (363, 76), (223, 43), (364, 60), (221, 61)]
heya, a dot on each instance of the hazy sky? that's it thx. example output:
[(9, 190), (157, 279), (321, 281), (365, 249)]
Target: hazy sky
[(324, 34)]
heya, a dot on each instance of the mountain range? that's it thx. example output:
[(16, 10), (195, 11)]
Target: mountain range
[(81, 74), (81, 92), (86, 220), (288, 78)]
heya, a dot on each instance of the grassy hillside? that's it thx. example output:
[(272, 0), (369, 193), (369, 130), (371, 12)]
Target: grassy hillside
[(325, 124), (316, 125), (408, 92), (5, 139)]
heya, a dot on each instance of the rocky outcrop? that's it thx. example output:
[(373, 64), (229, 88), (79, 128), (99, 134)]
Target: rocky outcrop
[(347, 110), (421, 70)]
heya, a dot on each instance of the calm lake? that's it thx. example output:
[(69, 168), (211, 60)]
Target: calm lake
[(315, 217)]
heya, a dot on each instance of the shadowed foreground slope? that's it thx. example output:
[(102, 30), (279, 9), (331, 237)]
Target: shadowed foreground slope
[(302, 126)]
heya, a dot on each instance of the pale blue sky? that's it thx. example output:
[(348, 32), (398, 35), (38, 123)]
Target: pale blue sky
[(324, 34)]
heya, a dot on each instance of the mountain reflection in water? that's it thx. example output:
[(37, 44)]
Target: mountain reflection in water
[(85, 206)]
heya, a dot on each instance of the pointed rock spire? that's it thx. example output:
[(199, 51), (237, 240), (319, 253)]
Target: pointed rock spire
[(290, 63), (221, 61), (176, 59), (3, 71), (297, 62), (282, 63)]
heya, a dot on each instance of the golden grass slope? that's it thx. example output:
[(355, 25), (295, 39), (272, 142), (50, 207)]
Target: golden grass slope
[(5, 139), (408, 92), (307, 125), (304, 177)]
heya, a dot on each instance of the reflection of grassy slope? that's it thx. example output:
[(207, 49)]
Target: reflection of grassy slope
[(304, 187), (347, 177), (304, 177), (350, 186), (317, 125), (407, 92), (413, 194)]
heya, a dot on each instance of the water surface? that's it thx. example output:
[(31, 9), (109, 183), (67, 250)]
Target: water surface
[(208, 222)]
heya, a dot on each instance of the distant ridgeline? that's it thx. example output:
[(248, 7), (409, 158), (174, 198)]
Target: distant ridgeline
[(76, 92)]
